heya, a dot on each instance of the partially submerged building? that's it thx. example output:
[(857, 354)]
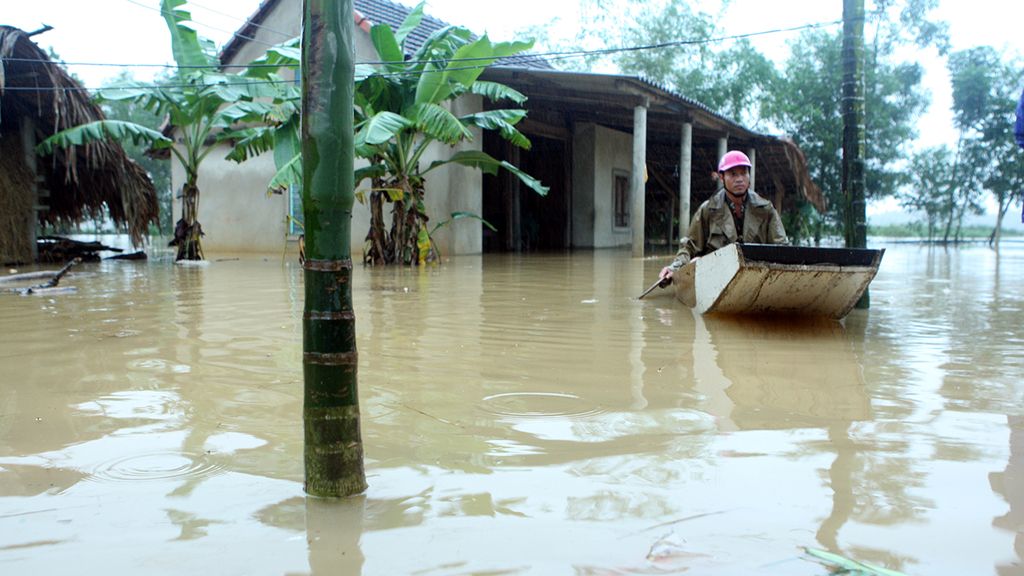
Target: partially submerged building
[(37, 99), (625, 159)]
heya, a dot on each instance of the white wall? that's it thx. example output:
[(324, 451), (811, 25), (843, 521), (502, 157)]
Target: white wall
[(583, 145), (235, 211), (455, 188), (598, 152)]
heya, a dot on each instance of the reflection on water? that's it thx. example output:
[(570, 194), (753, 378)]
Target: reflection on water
[(521, 416)]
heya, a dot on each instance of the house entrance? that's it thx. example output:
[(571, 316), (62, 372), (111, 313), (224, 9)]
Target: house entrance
[(525, 220)]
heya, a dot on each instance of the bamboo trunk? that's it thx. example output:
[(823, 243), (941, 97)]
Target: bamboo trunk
[(333, 444)]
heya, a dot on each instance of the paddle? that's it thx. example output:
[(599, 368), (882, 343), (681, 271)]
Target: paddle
[(659, 284), (683, 278)]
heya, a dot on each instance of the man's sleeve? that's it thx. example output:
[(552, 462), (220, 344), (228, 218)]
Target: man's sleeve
[(692, 243), (776, 231)]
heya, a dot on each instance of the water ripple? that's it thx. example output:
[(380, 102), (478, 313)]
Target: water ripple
[(155, 466), (539, 404)]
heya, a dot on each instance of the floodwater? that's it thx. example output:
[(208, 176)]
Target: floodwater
[(521, 415)]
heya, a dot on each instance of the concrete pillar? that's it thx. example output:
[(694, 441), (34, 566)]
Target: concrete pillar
[(637, 184), (752, 154), (685, 169), (723, 147)]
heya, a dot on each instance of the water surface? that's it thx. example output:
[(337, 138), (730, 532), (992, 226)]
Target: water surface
[(521, 415)]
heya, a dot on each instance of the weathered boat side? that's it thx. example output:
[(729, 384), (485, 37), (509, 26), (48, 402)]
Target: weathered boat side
[(760, 279)]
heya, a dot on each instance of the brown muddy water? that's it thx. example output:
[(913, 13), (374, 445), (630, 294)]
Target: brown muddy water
[(521, 415)]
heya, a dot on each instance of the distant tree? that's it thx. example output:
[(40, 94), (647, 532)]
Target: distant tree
[(805, 102), (669, 42), (731, 78), (931, 189), (984, 98)]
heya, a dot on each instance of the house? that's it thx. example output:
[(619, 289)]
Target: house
[(598, 140), (38, 99)]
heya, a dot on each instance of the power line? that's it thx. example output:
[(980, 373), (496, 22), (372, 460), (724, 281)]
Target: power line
[(526, 58), (247, 22), (232, 33)]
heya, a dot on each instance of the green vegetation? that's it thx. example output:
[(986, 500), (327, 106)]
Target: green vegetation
[(950, 182), (203, 105), (801, 98), (403, 107), (919, 230), (844, 565), (159, 169)]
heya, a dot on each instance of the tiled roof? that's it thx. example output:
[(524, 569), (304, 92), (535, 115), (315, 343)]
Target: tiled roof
[(393, 14), (375, 12)]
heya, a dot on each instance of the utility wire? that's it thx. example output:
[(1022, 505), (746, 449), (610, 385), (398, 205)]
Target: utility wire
[(246, 22), (521, 59), (233, 33)]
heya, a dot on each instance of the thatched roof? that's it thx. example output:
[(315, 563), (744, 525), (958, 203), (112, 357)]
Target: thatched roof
[(81, 181)]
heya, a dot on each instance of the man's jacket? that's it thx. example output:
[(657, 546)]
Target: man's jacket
[(712, 227)]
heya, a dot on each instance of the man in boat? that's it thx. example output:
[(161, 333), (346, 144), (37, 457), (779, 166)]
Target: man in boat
[(732, 209)]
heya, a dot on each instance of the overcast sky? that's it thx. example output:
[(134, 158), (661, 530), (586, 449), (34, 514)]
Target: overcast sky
[(133, 32)]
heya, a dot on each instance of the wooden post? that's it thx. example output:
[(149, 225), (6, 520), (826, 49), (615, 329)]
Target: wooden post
[(752, 154), (638, 184), (854, 128)]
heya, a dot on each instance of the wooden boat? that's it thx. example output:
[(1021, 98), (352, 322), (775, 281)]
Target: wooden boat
[(775, 279)]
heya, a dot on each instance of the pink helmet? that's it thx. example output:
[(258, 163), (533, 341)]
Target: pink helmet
[(733, 159)]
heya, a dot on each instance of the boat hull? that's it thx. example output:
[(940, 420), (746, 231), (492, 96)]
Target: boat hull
[(768, 279)]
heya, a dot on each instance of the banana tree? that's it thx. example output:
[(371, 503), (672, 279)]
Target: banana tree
[(400, 110), (204, 107)]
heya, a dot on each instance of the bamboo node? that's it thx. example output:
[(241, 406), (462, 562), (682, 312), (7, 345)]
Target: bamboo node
[(328, 265), (332, 358)]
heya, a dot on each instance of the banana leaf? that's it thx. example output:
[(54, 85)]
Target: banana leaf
[(102, 130)]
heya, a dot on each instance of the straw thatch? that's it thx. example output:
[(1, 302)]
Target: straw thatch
[(798, 164), (85, 182)]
